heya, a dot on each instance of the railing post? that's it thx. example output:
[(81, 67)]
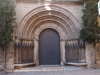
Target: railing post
[(20, 50), (78, 50)]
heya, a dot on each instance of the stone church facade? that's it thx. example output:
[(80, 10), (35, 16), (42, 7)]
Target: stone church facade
[(35, 22)]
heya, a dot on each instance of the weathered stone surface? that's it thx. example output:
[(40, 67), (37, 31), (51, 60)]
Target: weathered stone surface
[(1, 66), (98, 55), (1, 59), (89, 55), (10, 57)]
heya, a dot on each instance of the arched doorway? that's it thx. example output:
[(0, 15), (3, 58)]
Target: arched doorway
[(49, 47), (38, 19)]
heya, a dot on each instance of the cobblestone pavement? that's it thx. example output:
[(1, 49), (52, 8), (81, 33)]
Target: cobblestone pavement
[(57, 70)]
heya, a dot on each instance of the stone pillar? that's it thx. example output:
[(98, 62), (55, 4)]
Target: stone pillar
[(1, 59), (10, 57), (89, 55), (36, 58), (98, 55), (62, 48)]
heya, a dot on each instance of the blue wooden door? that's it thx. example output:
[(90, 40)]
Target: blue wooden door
[(49, 47)]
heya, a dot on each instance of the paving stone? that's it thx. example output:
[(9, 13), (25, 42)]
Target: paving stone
[(67, 70)]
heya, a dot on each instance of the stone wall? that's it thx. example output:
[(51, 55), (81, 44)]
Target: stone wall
[(98, 54), (1, 59), (9, 58), (89, 55), (23, 8)]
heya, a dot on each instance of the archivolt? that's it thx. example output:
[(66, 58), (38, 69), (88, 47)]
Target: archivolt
[(57, 15)]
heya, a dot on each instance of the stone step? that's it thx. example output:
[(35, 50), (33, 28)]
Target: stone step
[(19, 66), (77, 64)]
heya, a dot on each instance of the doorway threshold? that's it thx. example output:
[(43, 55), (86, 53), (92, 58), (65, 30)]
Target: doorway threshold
[(50, 65)]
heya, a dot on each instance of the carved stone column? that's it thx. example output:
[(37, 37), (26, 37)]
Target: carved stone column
[(36, 58), (62, 47)]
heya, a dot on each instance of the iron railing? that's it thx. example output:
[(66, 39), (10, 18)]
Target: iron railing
[(24, 52), (75, 51)]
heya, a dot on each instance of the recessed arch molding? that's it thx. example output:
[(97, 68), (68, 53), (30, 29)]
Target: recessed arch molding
[(57, 18)]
